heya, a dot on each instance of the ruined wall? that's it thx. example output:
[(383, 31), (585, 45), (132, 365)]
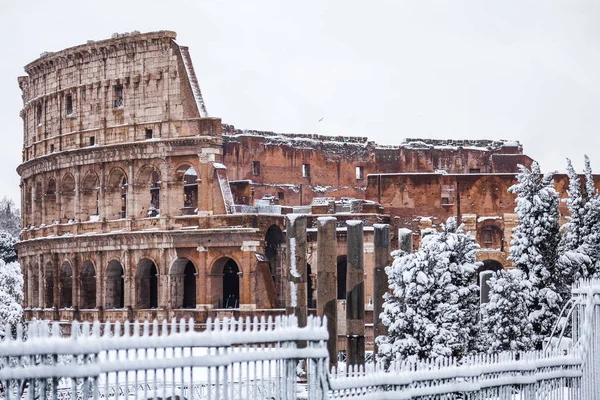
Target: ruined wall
[(339, 166)]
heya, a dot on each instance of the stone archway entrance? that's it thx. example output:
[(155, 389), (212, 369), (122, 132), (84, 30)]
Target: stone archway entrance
[(87, 288), (183, 284), (146, 283), (115, 286), (488, 265), (225, 285), (66, 285)]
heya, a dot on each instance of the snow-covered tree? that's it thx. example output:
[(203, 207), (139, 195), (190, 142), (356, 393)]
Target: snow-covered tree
[(432, 310), (504, 319), (574, 262), (591, 223), (10, 220), (11, 293), (8, 253), (534, 248)]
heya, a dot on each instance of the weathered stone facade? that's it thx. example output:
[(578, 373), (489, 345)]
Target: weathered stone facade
[(137, 205)]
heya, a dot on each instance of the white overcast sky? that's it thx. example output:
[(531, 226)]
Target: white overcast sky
[(525, 70)]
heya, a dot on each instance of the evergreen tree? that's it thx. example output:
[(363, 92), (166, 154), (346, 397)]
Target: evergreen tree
[(591, 224), (432, 310), (574, 262), (504, 319), (10, 220), (11, 294), (8, 253), (534, 248)]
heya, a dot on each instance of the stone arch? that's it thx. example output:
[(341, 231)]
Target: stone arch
[(49, 285), (186, 177), (114, 294), (66, 285), (146, 284), (67, 198), (90, 196), (147, 190), (37, 201), (182, 276), (275, 253), (35, 285), (489, 265), (116, 194), (225, 285), (50, 201), (87, 285), (342, 266)]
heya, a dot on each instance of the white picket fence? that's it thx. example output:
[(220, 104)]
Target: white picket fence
[(259, 359)]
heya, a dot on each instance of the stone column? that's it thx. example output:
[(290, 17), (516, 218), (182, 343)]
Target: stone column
[(33, 205), (355, 295), (296, 261), (405, 240), (380, 278), (76, 200), (102, 211), (326, 282), (130, 195), (43, 214)]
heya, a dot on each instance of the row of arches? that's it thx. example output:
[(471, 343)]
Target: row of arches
[(182, 282), (63, 200)]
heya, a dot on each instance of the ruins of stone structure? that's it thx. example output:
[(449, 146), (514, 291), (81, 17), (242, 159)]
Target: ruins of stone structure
[(137, 204)]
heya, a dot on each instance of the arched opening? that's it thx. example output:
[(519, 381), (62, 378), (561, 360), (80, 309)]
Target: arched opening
[(116, 195), (183, 284), (154, 209), (225, 283), (87, 289), (90, 197), (275, 253), (50, 202), (146, 283), (115, 286), (188, 177), (49, 293), (489, 265), (35, 286), (67, 198), (39, 194), (341, 277), (311, 302), (66, 285)]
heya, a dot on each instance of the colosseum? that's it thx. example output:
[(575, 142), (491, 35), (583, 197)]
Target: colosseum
[(136, 204)]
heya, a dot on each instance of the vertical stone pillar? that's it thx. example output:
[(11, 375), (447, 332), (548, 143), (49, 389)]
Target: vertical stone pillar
[(44, 213), (130, 195), (296, 261), (405, 240), (33, 205), (76, 200), (380, 278), (355, 295), (327, 282)]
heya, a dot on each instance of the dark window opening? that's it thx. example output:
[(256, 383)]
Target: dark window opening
[(474, 170), (148, 133), (360, 173), (118, 96), (255, 168), (280, 195), (445, 201), (92, 140), (189, 286), (154, 210), (38, 113), (487, 236), (51, 148), (306, 170), (231, 285), (69, 104), (124, 198)]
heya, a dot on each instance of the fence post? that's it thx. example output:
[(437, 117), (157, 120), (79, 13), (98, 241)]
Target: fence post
[(380, 279), (327, 281), (355, 295)]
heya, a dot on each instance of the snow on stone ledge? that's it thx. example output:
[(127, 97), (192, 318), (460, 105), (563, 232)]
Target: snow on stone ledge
[(219, 166), (354, 222), (481, 219)]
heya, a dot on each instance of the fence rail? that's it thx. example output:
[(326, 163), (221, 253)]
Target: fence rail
[(263, 359)]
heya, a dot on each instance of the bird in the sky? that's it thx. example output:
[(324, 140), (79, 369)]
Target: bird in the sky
[(321, 119)]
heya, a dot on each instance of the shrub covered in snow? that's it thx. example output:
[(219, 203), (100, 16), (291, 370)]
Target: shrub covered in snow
[(504, 319), (8, 253), (11, 293), (433, 308), (534, 248)]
